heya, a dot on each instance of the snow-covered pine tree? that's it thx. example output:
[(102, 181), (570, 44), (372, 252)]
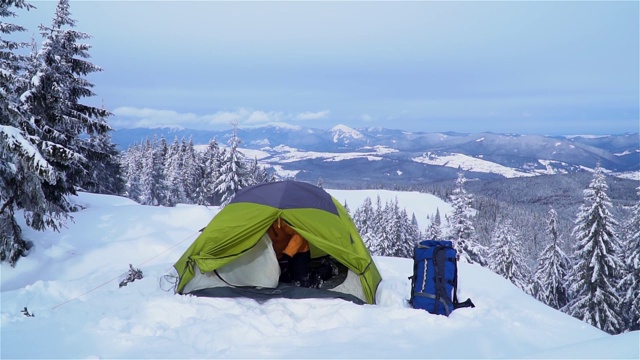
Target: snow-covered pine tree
[(596, 264), (462, 232), (629, 287), (24, 171), (143, 171), (174, 184), (147, 185), (200, 194), (14, 145), (209, 166), (394, 229), (11, 63), (105, 175), (363, 219), (434, 232), (346, 207), (390, 234), (160, 151), (254, 173), (132, 167), (550, 277), (415, 228), (397, 236), (233, 172), (257, 174), (58, 122), (190, 175), (506, 255), (409, 235), (378, 228)]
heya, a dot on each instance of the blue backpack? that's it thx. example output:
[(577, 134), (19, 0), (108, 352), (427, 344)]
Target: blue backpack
[(435, 278)]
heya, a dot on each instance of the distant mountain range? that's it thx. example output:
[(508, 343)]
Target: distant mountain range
[(375, 155)]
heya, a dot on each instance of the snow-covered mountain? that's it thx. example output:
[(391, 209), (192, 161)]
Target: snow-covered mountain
[(69, 282), (383, 155), (347, 137)]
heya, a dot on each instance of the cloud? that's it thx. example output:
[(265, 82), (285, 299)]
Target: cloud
[(261, 117), (366, 117), (312, 115), (132, 117)]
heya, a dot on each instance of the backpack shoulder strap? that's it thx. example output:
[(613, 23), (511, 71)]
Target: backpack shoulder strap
[(456, 303)]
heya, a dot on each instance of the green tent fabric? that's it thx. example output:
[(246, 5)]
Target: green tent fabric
[(310, 210)]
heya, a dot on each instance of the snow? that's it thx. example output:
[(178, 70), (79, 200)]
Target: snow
[(466, 162), (251, 154), (285, 174), (70, 283), (14, 138), (550, 169), (345, 133), (586, 136), (289, 155), (632, 175)]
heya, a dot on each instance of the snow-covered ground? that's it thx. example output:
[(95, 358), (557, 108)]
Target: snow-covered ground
[(469, 163), (70, 283)]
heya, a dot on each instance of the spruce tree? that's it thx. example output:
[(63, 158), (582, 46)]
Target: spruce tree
[(346, 207), (174, 184), (24, 171), (363, 218), (190, 174), (434, 232), (596, 264), (409, 235), (209, 168), (462, 232), (506, 255), (257, 174), (378, 229), (233, 172), (145, 172), (105, 175), (630, 285), (391, 236), (60, 124), (415, 228), (160, 151), (132, 167), (550, 278), (11, 65)]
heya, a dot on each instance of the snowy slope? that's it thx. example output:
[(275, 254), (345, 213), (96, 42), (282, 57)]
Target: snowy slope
[(70, 282), (345, 134), (420, 204), (469, 163), (283, 154)]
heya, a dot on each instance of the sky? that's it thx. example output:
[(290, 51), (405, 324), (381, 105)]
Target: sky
[(69, 282), (543, 67)]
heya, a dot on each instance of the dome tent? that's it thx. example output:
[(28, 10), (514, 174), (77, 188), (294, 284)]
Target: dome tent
[(236, 235)]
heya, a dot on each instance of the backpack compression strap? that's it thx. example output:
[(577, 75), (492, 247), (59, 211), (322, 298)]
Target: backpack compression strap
[(456, 304)]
